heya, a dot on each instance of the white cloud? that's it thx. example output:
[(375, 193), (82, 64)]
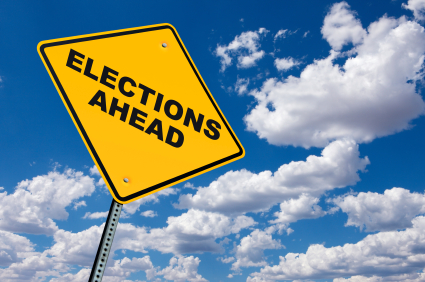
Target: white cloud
[(417, 7), (38, 267), (134, 206), (149, 213), (283, 33), (241, 86), (35, 203), (245, 47), (250, 251), (101, 182), (409, 277), (189, 185), (80, 248), (226, 60), (182, 269), (250, 60), (82, 275), (285, 64), (289, 231), (35, 267), (280, 34), (76, 248), (227, 259), (262, 30), (370, 96), (292, 210), (340, 27), (359, 278), (382, 254), (118, 271), (123, 268), (96, 215), (392, 210), (94, 171), (79, 204), (201, 223), (194, 231), (13, 248), (238, 192)]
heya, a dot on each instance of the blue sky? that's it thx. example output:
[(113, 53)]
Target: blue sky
[(326, 98)]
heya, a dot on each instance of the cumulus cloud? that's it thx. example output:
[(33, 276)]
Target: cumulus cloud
[(245, 47), (13, 248), (82, 275), (35, 203), (392, 210), (417, 7), (133, 207), (35, 267), (94, 171), (196, 231), (370, 96), (280, 34), (96, 215), (238, 192), (118, 271), (340, 27), (383, 254), (101, 183), (182, 269), (241, 85), (408, 277), (149, 213), (123, 268), (191, 232), (203, 223), (283, 33), (79, 204), (292, 210), (285, 64), (76, 248), (250, 251), (226, 259)]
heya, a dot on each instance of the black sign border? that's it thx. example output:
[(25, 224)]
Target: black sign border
[(88, 142)]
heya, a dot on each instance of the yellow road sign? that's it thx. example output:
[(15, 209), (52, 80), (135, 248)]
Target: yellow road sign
[(141, 107)]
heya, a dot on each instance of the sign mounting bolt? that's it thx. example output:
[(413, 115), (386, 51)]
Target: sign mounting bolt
[(164, 45), (126, 180)]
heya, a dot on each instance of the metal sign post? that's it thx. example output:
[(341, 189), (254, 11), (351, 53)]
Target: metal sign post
[(105, 244)]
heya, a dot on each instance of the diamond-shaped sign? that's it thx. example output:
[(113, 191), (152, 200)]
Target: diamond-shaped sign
[(141, 107)]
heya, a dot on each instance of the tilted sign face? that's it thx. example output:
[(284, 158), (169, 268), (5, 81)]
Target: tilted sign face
[(141, 107)]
